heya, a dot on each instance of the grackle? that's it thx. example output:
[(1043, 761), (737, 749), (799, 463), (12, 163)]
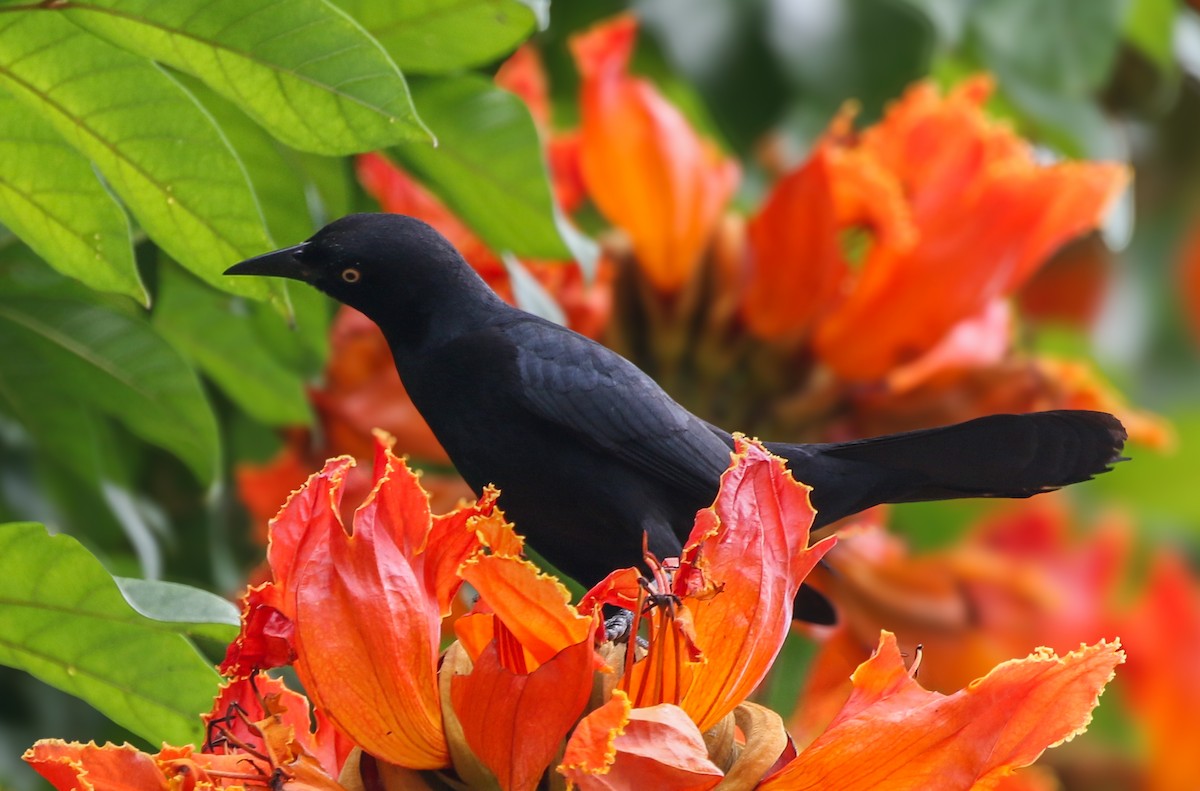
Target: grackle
[(589, 452)]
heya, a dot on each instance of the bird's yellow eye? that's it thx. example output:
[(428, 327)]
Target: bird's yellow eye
[(351, 275)]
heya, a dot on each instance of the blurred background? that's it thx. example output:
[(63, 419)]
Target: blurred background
[(734, 299)]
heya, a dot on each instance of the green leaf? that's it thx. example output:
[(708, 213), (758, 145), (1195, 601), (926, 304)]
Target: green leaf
[(1162, 483), (63, 428), (65, 622), (68, 350), (488, 166), (277, 184), (1149, 26), (1077, 127), (51, 197), (155, 146), (1065, 47), (304, 70), (285, 182), (203, 326), (867, 52), (948, 18), (193, 611), (437, 36)]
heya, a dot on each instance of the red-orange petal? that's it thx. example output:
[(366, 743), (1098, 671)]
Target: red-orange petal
[(291, 533), (532, 678), (266, 638), (1162, 686), (522, 74), (796, 262), (533, 606), (621, 588), (974, 342), (750, 549), (618, 747), (367, 643), (371, 600), (894, 734), (515, 723), (645, 168), (245, 710), (84, 767), (986, 215)]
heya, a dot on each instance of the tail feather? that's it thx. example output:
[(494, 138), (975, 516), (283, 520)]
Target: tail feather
[(994, 456)]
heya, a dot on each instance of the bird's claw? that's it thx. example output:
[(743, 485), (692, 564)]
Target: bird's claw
[(616, 628)]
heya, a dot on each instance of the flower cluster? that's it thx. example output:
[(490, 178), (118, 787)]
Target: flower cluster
[(879, 284), (533, 687)]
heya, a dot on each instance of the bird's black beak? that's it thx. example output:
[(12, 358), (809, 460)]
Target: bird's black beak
[(280, 263)]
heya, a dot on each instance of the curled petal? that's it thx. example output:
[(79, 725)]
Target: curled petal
[(89, 767), (534, 608), (70, 766), (246, 713), (644, 166), (266, 639), (751, 548), (291, 532), (618, 747), (620, 588), (894, 734)]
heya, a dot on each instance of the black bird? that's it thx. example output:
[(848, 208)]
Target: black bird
[(589, 452)]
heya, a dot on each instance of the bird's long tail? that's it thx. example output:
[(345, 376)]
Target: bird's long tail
[(994, 456)]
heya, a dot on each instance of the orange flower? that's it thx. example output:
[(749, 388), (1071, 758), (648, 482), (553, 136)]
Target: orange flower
[(717, 622), (1017, 583), (359, 614), (893, 734), (1163, 685), (260, 737), (618, 747), (744, 562), (984, 213), (645, 168), (243, 704), (371, 598), (529, 673), (796, 261)]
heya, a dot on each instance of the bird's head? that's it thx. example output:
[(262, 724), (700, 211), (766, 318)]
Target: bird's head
[(385, 265)]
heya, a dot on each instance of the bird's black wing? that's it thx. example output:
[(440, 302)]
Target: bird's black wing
[(607, 402)]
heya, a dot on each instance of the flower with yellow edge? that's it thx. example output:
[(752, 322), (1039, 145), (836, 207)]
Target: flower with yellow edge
[(533, 693)]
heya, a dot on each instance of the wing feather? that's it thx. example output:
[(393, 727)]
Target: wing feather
[(607, 402)]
